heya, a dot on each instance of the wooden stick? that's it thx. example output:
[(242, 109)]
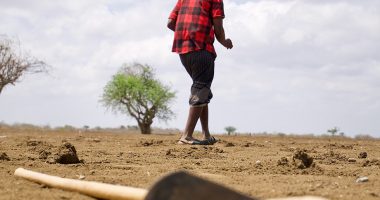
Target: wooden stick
[(102, 190), (94, 189)]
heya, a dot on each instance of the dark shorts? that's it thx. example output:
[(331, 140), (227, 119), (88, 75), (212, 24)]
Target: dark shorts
[(200, 66)]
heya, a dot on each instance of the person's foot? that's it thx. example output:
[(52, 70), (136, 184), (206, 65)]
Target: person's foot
[(188, 140)]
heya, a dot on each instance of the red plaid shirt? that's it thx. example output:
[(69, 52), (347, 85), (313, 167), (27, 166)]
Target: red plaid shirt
[(194, 29)]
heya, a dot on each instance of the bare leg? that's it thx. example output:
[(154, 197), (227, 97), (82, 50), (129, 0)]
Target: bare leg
[(192, 119), (204, 123)]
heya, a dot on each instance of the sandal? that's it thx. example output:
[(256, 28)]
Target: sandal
[(189, 142), (209, 141)]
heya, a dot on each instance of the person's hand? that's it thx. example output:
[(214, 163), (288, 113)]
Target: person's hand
[(228, 43)]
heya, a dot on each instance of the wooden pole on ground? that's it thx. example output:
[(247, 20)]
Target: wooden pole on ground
[(94, 189), (115, 192)]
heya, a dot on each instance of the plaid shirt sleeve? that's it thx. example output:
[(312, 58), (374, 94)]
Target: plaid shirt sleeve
[(217, 9), (174, 14)]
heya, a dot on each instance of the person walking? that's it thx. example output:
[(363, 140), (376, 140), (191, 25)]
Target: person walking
[(196, 23)]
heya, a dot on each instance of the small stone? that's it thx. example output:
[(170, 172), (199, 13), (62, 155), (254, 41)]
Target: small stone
[(258, 162), (363, 155), (362, 179), (352, 160)]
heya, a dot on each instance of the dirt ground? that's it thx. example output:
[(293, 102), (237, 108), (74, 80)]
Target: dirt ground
[(259, 166)]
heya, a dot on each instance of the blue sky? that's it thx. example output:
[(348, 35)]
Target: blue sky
[(298, 66)]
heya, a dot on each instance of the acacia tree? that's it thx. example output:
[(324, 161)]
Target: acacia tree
[(333, 131), (135, 91), (230, 129), (14, 63)]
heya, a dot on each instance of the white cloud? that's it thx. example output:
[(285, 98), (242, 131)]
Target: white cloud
[(297, 66)]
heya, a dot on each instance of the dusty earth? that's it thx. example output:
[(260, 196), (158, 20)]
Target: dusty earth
[(259, 166)]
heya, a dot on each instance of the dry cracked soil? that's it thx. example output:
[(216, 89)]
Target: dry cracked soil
[(261, 166)]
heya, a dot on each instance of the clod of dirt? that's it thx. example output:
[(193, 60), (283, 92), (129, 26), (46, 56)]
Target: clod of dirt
[(363, 155), (249, 144), (96, 140), (246, 144), (217, 150), (372, 162), (339, 146), (229, 144), (67, 154), (33, 143), (283, 161), (147, 143), (302, 160), (40, 150), (44, 154), (4, 156), (331, 157), (41, 147)]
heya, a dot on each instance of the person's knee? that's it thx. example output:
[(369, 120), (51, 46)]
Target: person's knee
[(200, 97)]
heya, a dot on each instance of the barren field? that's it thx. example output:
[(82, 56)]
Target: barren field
[(259, 166)]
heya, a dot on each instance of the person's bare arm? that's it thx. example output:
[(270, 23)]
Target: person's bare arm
[(171, 24), (219, 33)]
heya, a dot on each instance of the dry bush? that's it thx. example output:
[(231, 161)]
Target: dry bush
[(14, 63)]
